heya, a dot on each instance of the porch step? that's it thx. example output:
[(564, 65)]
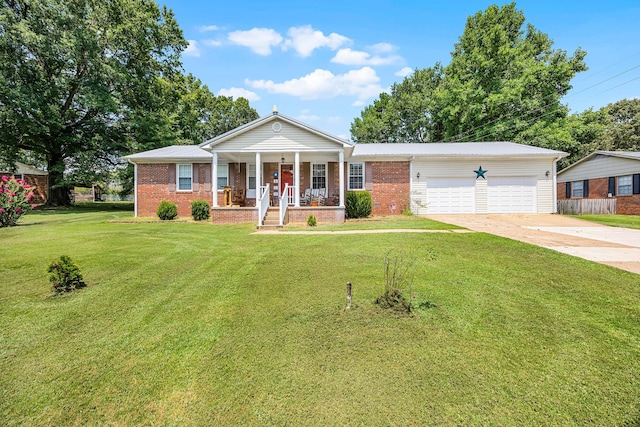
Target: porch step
[(272, 218)]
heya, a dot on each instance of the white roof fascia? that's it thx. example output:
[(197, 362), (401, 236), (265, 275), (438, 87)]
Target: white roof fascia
[(208, 145), (171, 154), (632, 155)]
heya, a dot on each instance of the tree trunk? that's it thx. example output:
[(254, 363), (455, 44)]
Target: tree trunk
[(59, 192)]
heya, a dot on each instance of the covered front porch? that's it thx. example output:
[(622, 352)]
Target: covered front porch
[(277, 164), (296, 184)]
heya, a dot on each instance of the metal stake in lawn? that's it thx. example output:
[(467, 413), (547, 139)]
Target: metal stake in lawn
[(348, 296)]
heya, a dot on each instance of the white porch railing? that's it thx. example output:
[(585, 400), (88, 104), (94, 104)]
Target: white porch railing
[(287, 198), (263, 203)]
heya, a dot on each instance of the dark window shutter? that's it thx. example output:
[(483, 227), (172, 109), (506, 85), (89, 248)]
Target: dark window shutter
[(567, 193), (195, 179), (636, 183), (585, 188), (172, 177), (207, 178), (368, 176), (612, 185)]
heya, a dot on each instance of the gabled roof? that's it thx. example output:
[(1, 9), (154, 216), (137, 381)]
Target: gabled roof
[(172, 154), (633, 155), (454, 149), (24, 169), (266, 119)]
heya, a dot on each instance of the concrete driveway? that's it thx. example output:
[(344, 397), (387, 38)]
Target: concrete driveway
[(614, 246)]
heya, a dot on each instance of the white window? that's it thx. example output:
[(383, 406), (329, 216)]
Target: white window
[(356, 176), (625, 185), (252, 177), (184, 177), (223, 176), (18, 176), (577, 189), (319, 176)]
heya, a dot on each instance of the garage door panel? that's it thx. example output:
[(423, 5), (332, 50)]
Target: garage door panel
[(511, 195), (450, 195)]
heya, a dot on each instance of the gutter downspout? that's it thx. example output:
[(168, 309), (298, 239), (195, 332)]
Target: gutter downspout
[(555, 184), (135, 188)]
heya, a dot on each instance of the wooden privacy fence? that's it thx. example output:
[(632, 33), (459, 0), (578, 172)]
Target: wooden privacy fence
[(587, 206)]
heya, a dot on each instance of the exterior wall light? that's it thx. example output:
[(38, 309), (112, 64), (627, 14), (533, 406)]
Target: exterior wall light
[(418, 175)]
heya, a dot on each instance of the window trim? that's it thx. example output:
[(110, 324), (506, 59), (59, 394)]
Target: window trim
[(629, 185), (178, 176), (574, 186), (362, 164), (221, 187), (326, 175)]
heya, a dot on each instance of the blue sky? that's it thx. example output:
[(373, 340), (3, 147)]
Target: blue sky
[(323, 62)]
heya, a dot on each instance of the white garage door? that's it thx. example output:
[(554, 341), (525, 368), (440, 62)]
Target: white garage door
[(451, 195), (511, 195)]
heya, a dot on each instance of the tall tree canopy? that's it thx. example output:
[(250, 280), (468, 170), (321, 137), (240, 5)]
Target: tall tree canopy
[(72, 70), (502, 78), (621, 121)]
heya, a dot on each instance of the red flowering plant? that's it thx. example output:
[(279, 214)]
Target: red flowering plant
[(15, 200)]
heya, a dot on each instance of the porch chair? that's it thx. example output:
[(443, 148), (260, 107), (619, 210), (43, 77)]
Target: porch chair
[(305, 198)]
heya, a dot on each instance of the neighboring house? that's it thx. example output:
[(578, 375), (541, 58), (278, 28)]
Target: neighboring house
[(36, 178), (276, 155), (604, 175)]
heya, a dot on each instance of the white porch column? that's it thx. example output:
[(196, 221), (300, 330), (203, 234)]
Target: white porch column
[(258, 175), (214, 180), (135, 190), (341, 169), (296, 180)]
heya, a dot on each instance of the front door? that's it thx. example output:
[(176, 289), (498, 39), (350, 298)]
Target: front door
[(286, 177)]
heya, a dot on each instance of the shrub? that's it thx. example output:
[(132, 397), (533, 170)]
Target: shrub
[(311, 221), (358, 204), (15, 200), (200, 210), (167, 210), (65, 275)]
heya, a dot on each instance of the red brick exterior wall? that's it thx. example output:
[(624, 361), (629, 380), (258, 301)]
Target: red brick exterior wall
[(234, 215), (390, 187), (599, 189), (153, 187), (322, 213), (40, 184)]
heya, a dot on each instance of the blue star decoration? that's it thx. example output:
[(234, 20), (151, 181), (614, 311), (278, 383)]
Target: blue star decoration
[(480, 173)]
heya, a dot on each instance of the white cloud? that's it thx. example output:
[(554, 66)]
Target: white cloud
[(382, 48), (323, 84), (207, 28), (211, 42), (349, 56), (305, 40), (192, 49), (259, 40), (307, 116), (404, 72), (237, 92)]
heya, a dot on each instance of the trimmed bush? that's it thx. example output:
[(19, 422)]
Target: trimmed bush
[(200, 210), (15, 200), (167, 210), (312, 221), (358, 204), (65, 275)]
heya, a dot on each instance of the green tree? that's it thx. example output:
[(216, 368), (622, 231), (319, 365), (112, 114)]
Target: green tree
[(404, 115), (622, 123), (503, 77), (71, 71)]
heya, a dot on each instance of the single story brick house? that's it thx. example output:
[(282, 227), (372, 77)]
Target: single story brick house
[(604, 175), (36, 178), (281, 162)]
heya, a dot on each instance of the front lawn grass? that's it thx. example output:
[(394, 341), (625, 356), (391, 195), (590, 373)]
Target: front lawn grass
[(195, 324), (375, 223), (627, 221)]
